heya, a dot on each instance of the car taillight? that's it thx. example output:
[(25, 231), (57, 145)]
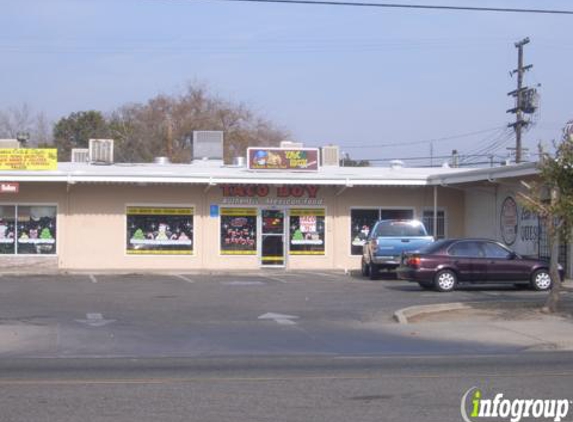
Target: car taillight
[(414, 261), (373, 245)]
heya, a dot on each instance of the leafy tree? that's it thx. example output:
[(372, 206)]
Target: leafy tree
[(552, 199), (76, 130)]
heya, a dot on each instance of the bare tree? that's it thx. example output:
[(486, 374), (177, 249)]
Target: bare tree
[(165, 124), (20, 120)]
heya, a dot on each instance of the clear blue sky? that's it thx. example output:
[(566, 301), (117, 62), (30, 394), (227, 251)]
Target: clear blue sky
[(361, 78)]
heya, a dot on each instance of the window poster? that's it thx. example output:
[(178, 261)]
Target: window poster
[(28, 229), (361, 222), (7, 229), (307, 232), (159, 231), (36, 229), (238, 231)]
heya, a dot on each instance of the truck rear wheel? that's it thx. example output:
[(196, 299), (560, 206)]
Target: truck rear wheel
[(364, 268), (372, 271)]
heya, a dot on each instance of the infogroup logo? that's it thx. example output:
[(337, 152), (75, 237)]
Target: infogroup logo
[(475, 407)]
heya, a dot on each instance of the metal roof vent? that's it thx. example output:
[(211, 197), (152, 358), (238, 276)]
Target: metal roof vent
[(330, 155), (291, 144), (396, 164), (9, 143), (161, 160), (101, 151), (239, 162), (207, 145), (80, 155)]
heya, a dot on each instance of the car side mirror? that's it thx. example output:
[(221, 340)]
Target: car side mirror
[(512, 255)]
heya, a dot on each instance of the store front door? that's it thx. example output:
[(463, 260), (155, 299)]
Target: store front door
[(273, 238)]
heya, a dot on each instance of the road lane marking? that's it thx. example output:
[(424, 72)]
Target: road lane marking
[(93, 278), (37, 382), (280, 319), (182, 277), (280, 280), (242, 283), (95, 320)]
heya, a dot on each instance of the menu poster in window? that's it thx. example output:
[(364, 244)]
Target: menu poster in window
[(307, 232), (159, 231), (238, 231)]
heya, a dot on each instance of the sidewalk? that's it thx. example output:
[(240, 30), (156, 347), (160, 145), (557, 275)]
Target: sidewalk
[(520, 325)]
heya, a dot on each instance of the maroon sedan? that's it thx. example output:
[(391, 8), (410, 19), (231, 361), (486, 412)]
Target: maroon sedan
[(445, 263)]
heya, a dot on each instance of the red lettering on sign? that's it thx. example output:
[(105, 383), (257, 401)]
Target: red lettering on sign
[(312, 191), (262, 190), (283, 191), (297, 191)]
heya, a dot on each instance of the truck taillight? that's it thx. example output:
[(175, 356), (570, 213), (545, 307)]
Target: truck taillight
[(373, 245), (414, 261)]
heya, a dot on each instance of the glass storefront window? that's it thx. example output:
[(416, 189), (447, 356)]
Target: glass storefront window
[(36, 229), (307, 232), (239, 231), (396, 214), (159, 231), (361, 222), (428, 220), (7, 229)]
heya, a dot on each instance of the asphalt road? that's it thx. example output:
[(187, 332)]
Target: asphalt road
[(289, 389), (186, 315), (266, 346)]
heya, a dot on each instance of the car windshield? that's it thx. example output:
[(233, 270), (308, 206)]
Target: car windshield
[(400, 229)]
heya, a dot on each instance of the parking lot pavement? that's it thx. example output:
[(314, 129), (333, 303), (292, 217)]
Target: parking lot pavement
[(200, 313)]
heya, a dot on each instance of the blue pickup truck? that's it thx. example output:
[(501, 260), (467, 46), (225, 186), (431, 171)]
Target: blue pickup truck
[(386, 242)]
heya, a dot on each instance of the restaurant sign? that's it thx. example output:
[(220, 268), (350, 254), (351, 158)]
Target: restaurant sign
[(28, 159), (261, 195), (301, 159)]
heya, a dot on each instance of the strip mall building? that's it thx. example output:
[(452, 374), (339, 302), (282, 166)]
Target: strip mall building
[(205, 215)]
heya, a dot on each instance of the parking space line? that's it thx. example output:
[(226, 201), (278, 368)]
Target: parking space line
[(276, 279), (93, 278), (182, 277)]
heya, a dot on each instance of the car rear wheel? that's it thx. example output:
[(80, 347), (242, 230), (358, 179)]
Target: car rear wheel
[(541, 280), (445, 281), (365, 268)]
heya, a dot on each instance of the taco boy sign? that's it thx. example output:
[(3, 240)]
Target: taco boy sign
[(302, 159)]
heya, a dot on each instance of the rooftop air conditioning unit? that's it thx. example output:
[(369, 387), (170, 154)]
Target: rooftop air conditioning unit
[(80, 155), (291, 144), (208, 145), (330, 156), (9, 143), (101, 151)]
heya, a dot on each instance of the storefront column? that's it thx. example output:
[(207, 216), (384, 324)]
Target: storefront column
[(435, 225)]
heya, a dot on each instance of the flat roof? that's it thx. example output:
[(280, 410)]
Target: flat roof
[(217, 173)]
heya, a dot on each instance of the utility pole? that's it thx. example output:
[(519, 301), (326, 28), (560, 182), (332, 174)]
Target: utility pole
[(526, 99)]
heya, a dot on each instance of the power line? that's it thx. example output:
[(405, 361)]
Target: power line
[(445, 138), (411, 6)]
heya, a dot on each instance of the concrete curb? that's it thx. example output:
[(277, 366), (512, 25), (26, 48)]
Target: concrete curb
[(402, 315)]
